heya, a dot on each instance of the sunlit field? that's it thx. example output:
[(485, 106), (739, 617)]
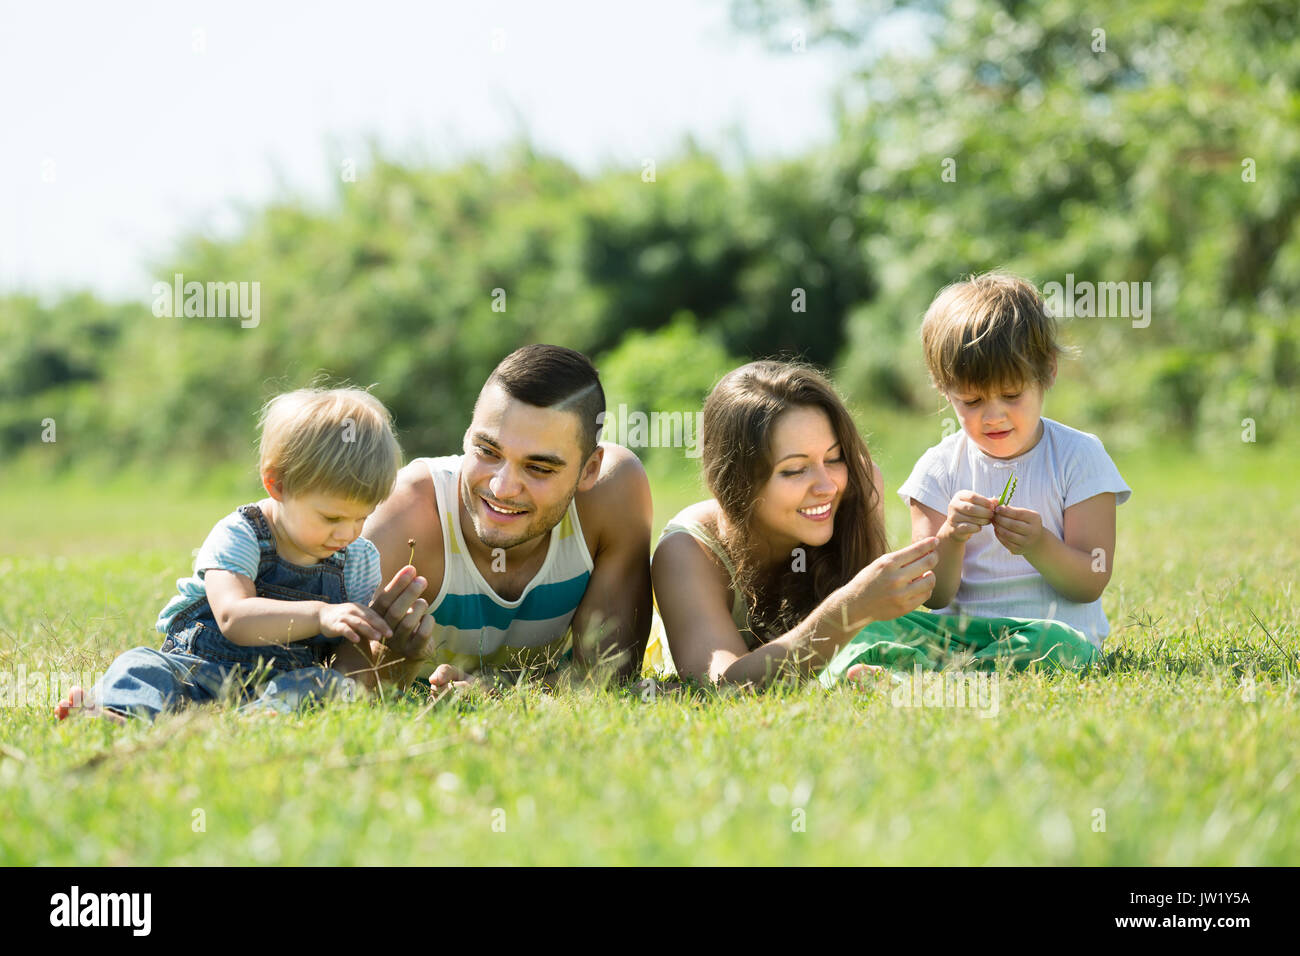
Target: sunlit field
[(1175, 753)]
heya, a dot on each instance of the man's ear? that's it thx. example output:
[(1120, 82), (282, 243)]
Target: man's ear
[(1051, 375), (591, 470)]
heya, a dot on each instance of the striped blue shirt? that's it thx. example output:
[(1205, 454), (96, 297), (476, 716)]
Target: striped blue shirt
[(474, 626)]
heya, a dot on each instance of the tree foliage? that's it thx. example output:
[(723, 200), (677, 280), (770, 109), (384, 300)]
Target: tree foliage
[(1158, 142)]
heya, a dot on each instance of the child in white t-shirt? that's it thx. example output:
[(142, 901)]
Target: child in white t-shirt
[(1023, 579)]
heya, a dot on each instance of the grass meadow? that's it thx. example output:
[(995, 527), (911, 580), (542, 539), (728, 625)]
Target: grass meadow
[(1182, 751)]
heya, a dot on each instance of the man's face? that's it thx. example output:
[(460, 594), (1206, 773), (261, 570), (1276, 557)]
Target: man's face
[(522, 467)]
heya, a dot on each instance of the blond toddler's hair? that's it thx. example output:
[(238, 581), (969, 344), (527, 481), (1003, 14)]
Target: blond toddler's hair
[(338, 441)]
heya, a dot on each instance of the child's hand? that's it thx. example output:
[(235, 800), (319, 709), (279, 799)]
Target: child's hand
[(967, 513), (1019, 529), (354, 622)]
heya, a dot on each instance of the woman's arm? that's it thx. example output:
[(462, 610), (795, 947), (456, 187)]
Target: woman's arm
[(691, 589), (692, 592)]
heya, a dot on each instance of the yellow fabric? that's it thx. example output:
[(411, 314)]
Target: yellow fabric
[(658, 660)]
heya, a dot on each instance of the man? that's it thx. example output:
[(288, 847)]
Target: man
[(531, 547)]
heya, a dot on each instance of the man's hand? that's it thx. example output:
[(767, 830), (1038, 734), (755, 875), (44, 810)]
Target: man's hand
[(449, 679), (400, 605)]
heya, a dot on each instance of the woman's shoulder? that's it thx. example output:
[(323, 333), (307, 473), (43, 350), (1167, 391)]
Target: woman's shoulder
[(701, 514), (700, 523), (690, 553)]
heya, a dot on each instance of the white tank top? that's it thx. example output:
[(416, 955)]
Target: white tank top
[(475, 627)]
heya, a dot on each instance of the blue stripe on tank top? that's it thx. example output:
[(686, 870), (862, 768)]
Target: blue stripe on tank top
[(544, 602)]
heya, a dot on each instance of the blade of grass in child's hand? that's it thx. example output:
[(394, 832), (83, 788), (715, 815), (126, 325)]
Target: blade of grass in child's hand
[(1008, 491)]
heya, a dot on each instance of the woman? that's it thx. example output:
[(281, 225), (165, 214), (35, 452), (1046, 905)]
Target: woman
[(788, 560)]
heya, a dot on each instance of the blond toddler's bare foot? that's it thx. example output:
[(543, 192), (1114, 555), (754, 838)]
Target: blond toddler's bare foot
[(77, 703)]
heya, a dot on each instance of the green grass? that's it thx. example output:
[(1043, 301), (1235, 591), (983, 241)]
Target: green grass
[(1183, 743)]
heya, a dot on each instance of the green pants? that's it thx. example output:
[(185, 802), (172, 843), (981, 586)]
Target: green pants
[(932, 641)]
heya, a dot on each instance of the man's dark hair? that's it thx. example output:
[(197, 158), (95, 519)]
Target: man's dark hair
[(551, 376)]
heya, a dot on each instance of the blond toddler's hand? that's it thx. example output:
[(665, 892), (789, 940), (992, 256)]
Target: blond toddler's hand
[(354, 622)]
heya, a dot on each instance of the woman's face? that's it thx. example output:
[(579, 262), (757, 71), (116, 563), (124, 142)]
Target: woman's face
[(799, 501)]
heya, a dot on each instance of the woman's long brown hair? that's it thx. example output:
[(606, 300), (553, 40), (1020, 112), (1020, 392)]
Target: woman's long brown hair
[(739, 415)]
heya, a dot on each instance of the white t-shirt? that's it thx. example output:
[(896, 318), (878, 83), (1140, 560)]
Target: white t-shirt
[(1065, 467)]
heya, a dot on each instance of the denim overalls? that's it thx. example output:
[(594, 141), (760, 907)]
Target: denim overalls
[(197, 662), (194, 631)]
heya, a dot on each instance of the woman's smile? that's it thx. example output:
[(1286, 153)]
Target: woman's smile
[(820, 512)]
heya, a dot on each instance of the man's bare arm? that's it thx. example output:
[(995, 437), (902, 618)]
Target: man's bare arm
[(612, 623), (409, 512)]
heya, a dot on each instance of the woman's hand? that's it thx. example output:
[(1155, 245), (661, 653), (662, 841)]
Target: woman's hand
[(891, 585)]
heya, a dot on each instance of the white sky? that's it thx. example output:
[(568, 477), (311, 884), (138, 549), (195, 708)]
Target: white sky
[(117, 136)]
